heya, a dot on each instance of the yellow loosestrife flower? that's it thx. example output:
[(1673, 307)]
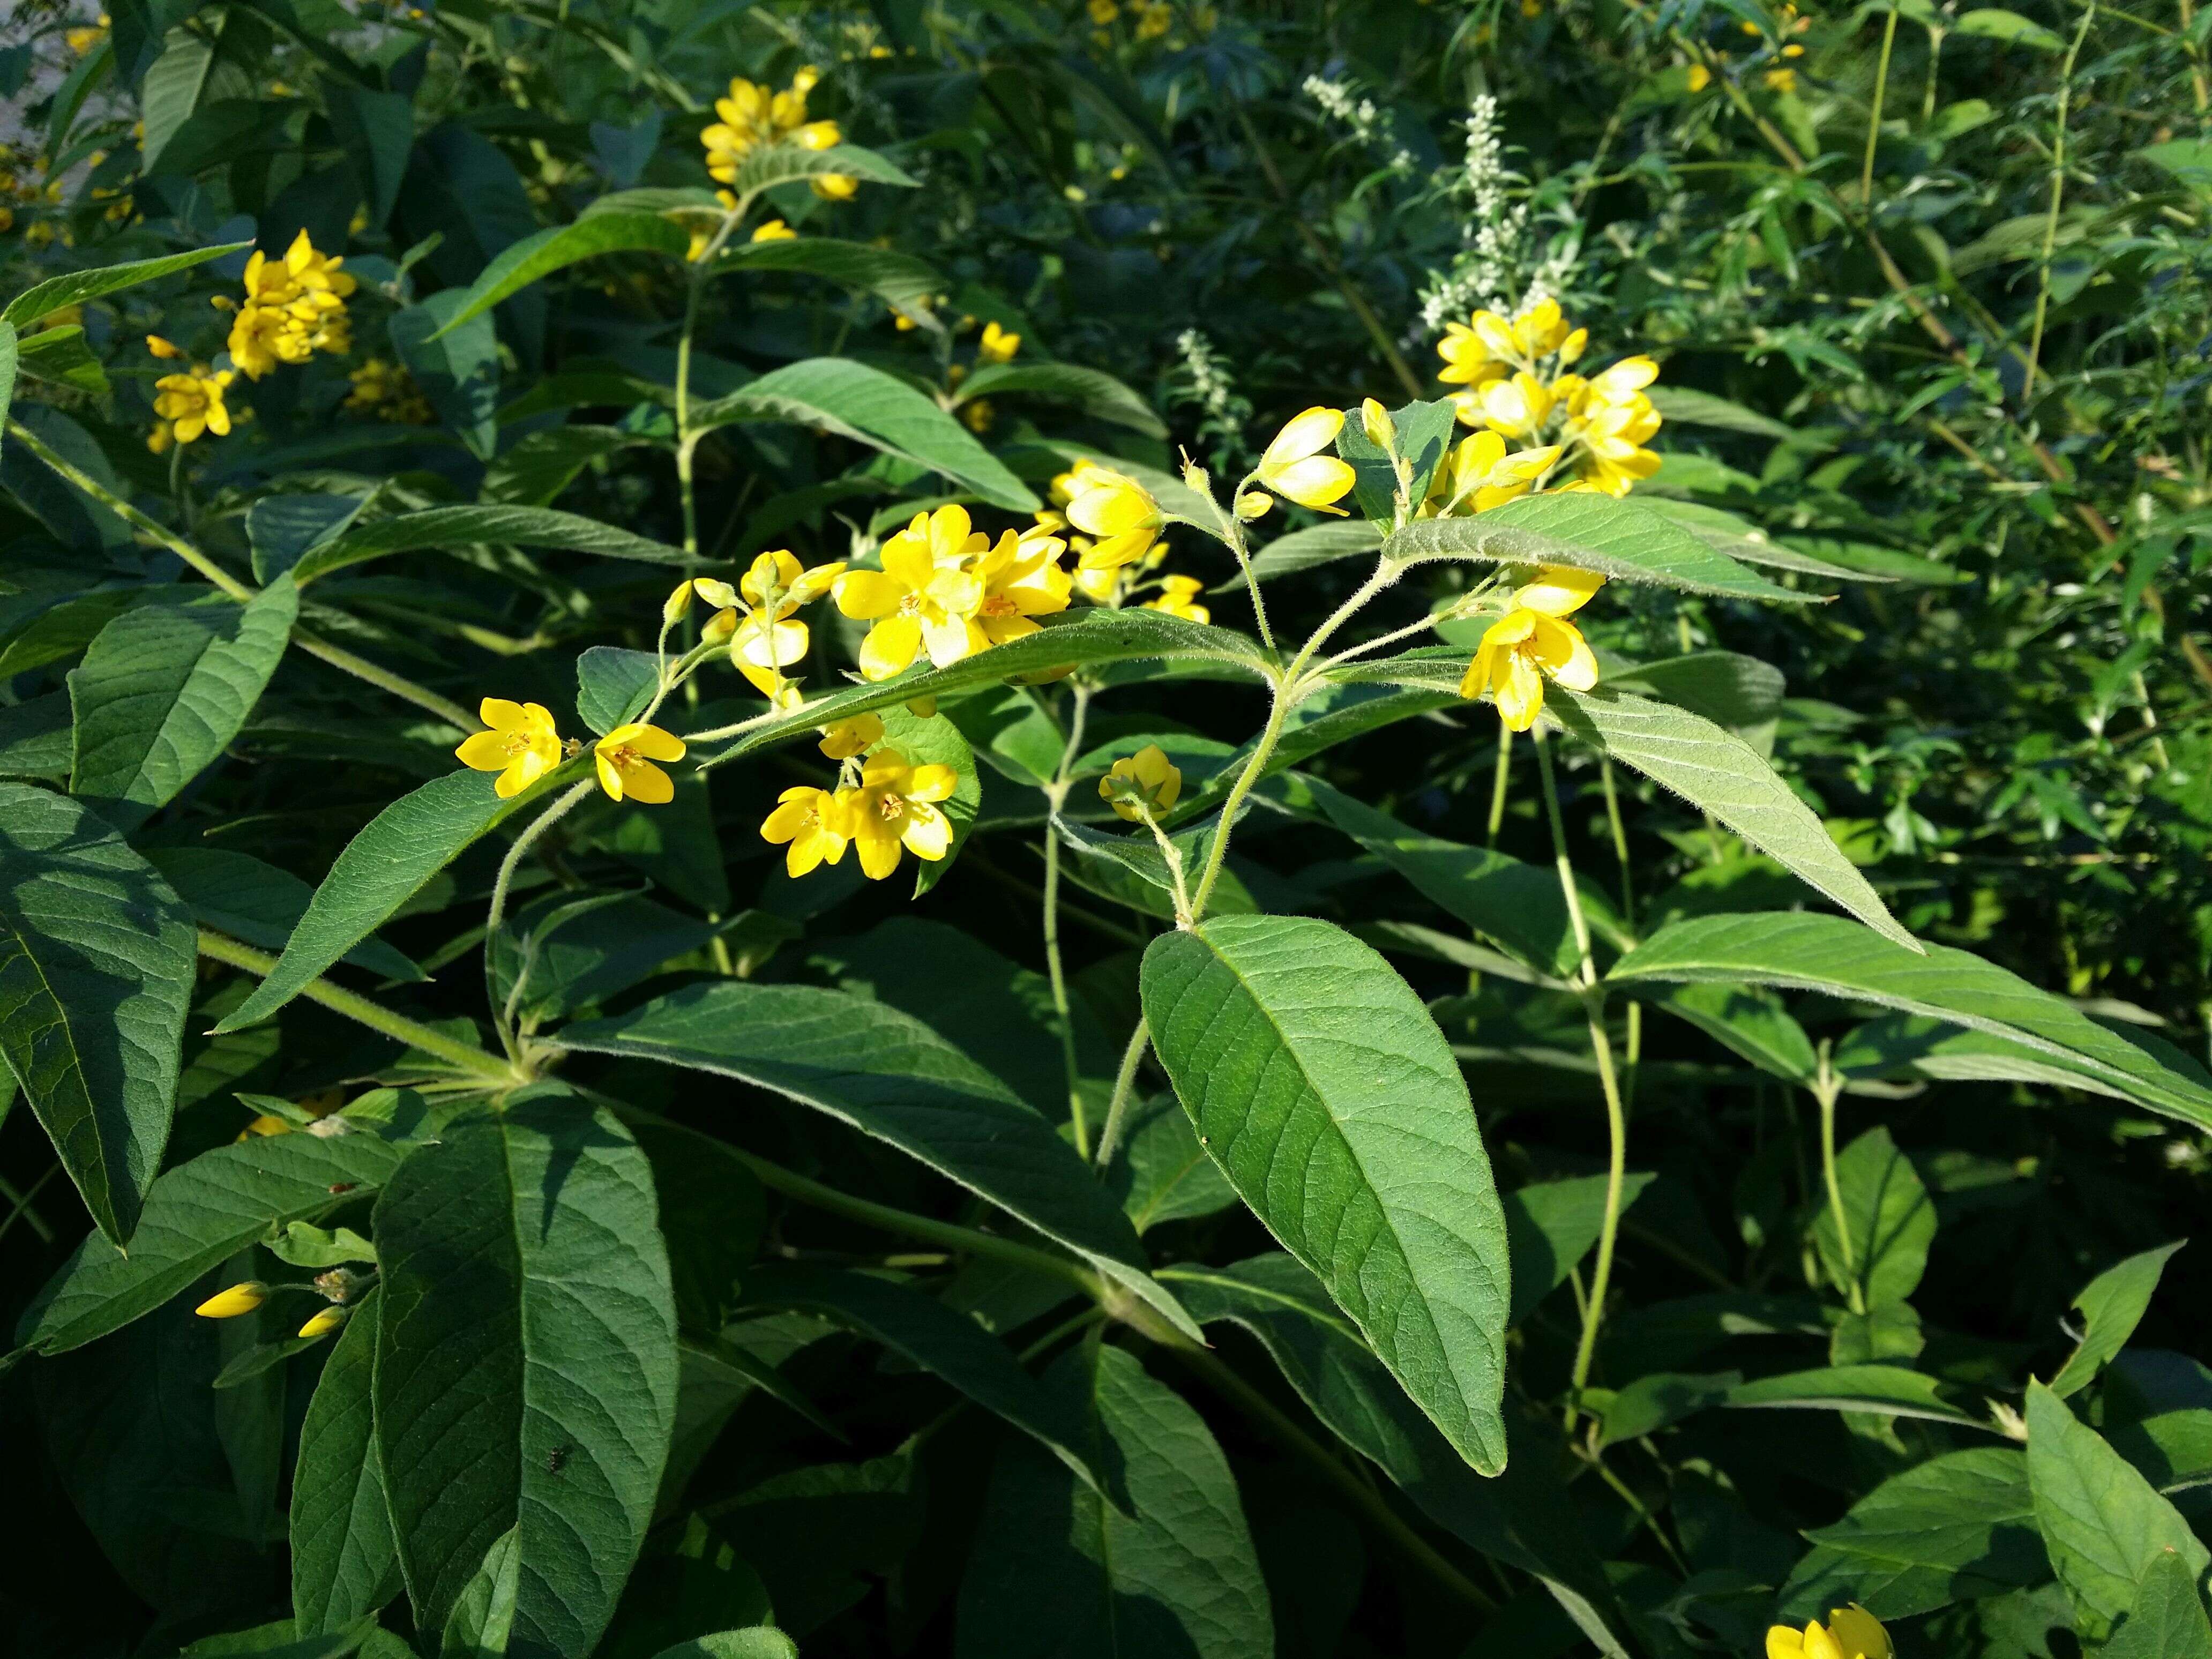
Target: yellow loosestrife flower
[(997, 344), (774, 231), (324, 1322), (625, 760), (895, 807), (161, 348), (1022, 580), (923, 597), (1479, 474), (1179, 597), (842, 739), (521, 746), (192, 403), (1294, 467), (1533, 642), (817, 825), (1851, 1632), (1117, 510), (231, 1303), (773, 588), (1147, 779)]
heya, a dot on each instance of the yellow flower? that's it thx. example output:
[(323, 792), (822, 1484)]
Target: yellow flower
[(923, 597), (81, 41), (773, 588), (161, 348), (263, 1124), (387, 391), (192, 403), (238, 1299), (324, 1322), (1479, 474), (1374, 421), (1294, 467), (1518, 407), (1781, 80), (1103, 12), (1532, 642), (997, 345), (1179, 597), (1700, 77), (834, 186), (842, 739), (1118, 511), (521, 745), (978, 416), (894, 807), (625, 759), (1147, 780), (162, 438), (1154, 19), (817, 824), (1608, 419), (1022, 580), (774, 231), (1851, 1632)]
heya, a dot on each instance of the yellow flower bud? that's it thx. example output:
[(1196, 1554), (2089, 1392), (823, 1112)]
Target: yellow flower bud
[(678, 603), (324, 1322), (1147, 779), (1253, 504), (238, 1299), (718, 628), (1374, 421)]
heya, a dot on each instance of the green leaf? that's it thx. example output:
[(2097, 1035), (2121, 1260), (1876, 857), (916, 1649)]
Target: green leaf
[(613, 685), (382, 868), (888, 1075), (472, 526), (1423, 437), (61, 356), (1882, 1390), (163, 690), (1059, 1572), (36, 737), (1719, 773), (344, 1564), (534, 470), (1096, 636), (97, 958), (1096, 392), (783, 164), (76, 286), (573, 950), (2112, 1305), (846, 399), (1659, 1399), (2166, 1618), (1550, 1225), (1331, 716), (1161, 1171), (237, 894), (1726, 687), (10, 352), (1591, 532), (1749, 1023), (900, 280), (459, 374), (1908, 1045), (1829, 954), (1690, 408), (281, 529), (1993, 23), (533, 258), (1957, 1528), (1323, 1089), (2105, 1526), (1302, 550), (170, 90), (1892, 1222), (525, 1368), (950, 1346), (761, 1642), (198, 1216)]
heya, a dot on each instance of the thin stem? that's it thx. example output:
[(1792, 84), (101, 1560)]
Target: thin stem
[(523, 842), (21, 1206), (1620, 840), (2057, 196), (1826, 1087), (1062, 1005), (1173, 856), (1232, 533), (395, 1026), (399, 686), (1262, 751), (686, 441), (1498, 777), (1124, 1082), (1873, 122)]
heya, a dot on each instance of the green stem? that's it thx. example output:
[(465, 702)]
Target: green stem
[(1874, 124), (1499, 774), (20, 1206), (2057, 196), (523, 842), (397, 1027), (1063, 1008), (1826, 1087), (1270, 735), (1124, 1082), (685, 440), (361, 669)]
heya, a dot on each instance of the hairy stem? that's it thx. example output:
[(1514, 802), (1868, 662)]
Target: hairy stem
[(1826, 1087), (1124, 1082), (523, 842), (1063, 1009)]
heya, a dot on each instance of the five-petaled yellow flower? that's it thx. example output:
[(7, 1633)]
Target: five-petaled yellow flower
[(1147, 779), (521, 745), (192, 403), (1179, 597), (625, 759), (1117, 510), (923, 597), (817, 825), (1294, 467), (1479, 474), (1021, 580), (1533, 642), (1851, 1632), (895, 807)]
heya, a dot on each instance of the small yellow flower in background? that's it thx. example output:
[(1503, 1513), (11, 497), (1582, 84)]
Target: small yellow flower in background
[(264, 1124), (1533, 642), (522, 745), (1118, 511), (1154, 19), (161, 438), (192, 403), (895, 807), (1781, 80), (1294, 467), (324, 1322), (625, 760), (295, 307), (1147, 779), (7, 219), (81, 41), (834, 186), (1851, 1632), (774, 231), (923, 598), (817, 824), (1700, 77), (1179, 597), (842, 739), (388, 391), (978, 415), (1103, 12), (161, 348), (229, 1303), (997, 344), (700, 240)]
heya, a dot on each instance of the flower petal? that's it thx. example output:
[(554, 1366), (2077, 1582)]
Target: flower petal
[(889, 646)]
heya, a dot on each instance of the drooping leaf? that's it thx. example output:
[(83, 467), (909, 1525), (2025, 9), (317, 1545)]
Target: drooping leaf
[(74, 286), (525, 1368), (1751, 1023), (344, 1564), (533, 258), (1323, 1089), (469, 526), (899, 279), (1891, 1217), (1827, 954), (96, 963), (1060, 1572), (1882, 1390), (2112, 1305)]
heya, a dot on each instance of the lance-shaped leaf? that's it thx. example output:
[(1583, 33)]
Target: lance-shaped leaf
[(96, 962), (76, 286), (848, 400), (199, 1215), (2112, 1305), (535, 258), (889, 1075), (1302, 550), (1719, 773), (1826, 954), (1094, 390), (344, 1563), (900, 279), (472, 526), (786, 163), (1593, 533), (526, 1366), (1876, 1389), (1322, 1086), (237, 894), (381, 868), (1058, 1573), (162, 691)]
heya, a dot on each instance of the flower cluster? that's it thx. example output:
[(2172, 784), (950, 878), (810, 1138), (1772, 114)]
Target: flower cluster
[(522, 745), (753, 117), (1487, 267), (1519, 384), (389, 393), (1532, 642), (757, 619), (882, 804), (1851, 1632), (947, 589), (295, 307)]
